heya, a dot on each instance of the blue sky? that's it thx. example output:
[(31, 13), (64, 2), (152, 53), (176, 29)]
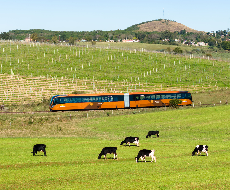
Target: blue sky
[(89, 15)]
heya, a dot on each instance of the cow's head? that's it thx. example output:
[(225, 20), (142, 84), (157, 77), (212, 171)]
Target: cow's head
[(193, 153)]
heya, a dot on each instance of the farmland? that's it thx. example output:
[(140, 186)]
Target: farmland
[(31, 73), (42, 70)]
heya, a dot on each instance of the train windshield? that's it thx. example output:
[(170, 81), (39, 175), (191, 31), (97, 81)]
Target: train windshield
[(51, 101)]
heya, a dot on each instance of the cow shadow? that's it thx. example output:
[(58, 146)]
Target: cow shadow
[(109, 158), (129, 146), (39, 155), (144, 161), (152, 137)]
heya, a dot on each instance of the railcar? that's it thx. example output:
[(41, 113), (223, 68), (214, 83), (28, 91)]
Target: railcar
[(73, 102)]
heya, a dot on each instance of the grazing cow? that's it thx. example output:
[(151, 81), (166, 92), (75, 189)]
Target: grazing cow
[(152, 133), (129, 140), (199, 149), (108, 150), (39, 147), (143, 153)]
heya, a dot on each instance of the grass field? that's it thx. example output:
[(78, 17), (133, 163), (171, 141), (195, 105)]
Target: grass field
[(74, 144), (31, 73)]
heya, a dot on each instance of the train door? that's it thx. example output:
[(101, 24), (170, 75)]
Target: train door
[(126, 100)]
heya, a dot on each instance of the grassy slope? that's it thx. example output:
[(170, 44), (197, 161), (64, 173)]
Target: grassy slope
[(43, 70), (72, 162)]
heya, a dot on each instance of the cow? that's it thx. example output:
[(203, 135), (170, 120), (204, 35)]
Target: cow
[(129, 140), (152, 133), (199, 149), (143, 153), (39, 147), (108, 150)]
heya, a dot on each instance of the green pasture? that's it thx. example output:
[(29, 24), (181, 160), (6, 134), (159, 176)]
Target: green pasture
[(98, 63), (74, 142)]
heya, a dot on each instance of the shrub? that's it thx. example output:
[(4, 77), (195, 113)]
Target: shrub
[(177, 50), (174, 103)]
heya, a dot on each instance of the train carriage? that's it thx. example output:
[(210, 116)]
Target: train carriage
[(117, 100)]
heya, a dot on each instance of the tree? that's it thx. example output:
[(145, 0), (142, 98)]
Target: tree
[(34, 37), (226, 45), (174, 103), (177, 50), (167, 35), (54, 39), (212, 42), (5, 36), (71, 41)]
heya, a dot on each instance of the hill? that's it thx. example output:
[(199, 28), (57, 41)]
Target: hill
[(162, 25)]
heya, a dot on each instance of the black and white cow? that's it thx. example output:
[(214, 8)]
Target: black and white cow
[(108, 150), (129, 140), (199, 149), (143, 153), (39, 147), (152, 133)]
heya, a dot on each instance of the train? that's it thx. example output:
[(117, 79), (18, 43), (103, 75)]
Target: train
[(75, 102)]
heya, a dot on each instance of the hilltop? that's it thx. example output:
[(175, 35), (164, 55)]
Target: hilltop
[(161, 25)]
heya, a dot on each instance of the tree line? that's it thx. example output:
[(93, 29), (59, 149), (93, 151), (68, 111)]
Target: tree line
[(214, 40)]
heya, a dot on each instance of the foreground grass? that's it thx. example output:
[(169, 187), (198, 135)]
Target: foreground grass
[(72, 162)]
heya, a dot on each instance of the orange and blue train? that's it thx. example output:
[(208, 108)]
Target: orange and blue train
[(102, 101)]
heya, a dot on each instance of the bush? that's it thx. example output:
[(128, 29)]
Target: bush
[(177, 50), (208, 55), (174, 103)]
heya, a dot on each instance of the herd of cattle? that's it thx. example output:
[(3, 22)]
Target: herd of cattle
[(141, 154)]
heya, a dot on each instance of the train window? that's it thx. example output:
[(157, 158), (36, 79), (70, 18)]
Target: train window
[(153, 97), (173, 96), (90, 99), (93, 99), (115, 98), (142, 97), (110, 98), (85, 99), (98, 99), (158, 97), (120, 98), (104, 98), (61, 100), (178, 96), (163, 96), (137, 97), (183, 95), (189, 96), (168, 96), (147, 97), (78, 99)]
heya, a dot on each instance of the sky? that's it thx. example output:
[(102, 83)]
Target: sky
[(89, 15)]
